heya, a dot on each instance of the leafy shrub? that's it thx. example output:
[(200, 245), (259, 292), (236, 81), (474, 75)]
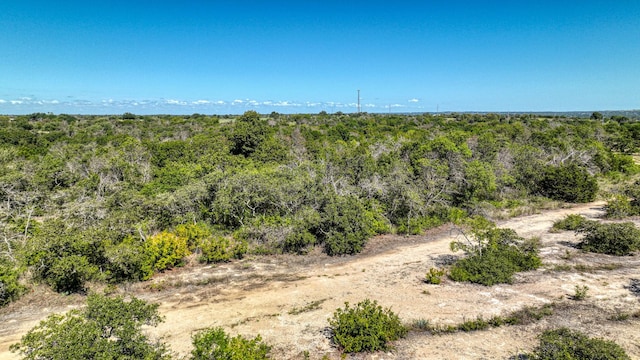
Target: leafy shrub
[(500, 253), (571, 222), (346, 225), (620, 207), (194, 233), (300, 237), (68, 274), (106, 329), (633, 192), (214, 343), (365, 327), (10, 288), (570, 183), (418, 225), (166, 250), (566, 344), (128, 260), (627, 204), (220, 249), (63, 257), (613, 239), (434, 276), (298, 241)]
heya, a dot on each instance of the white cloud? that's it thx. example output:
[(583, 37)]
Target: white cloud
[(370, 105), (414, 100), (237, 102), (176, 102), (16, 102), (3, 101), (287, 103), (397, 105), (201, 102), (220, 102)]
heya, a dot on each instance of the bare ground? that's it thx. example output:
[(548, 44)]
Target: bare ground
[(288, 299)]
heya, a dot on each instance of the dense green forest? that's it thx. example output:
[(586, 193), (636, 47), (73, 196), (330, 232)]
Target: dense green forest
[(118, 198)]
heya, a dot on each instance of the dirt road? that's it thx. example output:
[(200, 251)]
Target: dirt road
[(288, 299)]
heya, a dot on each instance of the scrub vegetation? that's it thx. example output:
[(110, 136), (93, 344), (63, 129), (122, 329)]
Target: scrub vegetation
[(106, 200)]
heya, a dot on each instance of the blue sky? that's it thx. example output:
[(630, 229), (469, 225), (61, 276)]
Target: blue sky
[(150, 57)]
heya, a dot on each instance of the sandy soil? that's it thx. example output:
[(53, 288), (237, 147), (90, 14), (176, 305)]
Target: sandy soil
[(288, 299)]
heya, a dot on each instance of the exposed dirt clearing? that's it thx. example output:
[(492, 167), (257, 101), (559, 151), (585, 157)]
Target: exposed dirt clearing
[(288, 299)]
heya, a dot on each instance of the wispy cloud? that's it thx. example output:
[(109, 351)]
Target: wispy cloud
[(176, 102), (21, 105), (414, 100), (201, 102)]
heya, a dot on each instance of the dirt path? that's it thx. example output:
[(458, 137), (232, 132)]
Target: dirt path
[(288, 299)]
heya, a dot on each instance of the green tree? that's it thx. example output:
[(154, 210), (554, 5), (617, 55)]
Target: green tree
[(248, 133), (106, 329), (570, 183), (64, 257), (127, 260), (346, 225), (479, 181)]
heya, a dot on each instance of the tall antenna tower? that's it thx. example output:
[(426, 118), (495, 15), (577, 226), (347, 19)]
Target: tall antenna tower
[(358, 101)]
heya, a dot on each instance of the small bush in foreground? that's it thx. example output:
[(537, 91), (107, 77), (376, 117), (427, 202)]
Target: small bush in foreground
[(613, 239), (106, 329), (210, 344), (566, 344), (365, 327)]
